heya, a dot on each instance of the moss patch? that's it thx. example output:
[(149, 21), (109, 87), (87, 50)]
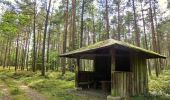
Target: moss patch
[(111, 42)]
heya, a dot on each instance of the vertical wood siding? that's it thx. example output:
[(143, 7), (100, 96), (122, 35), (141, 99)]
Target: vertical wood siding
[(132, 83)]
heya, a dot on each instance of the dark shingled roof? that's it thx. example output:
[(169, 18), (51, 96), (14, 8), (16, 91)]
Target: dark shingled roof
[(111, 43)]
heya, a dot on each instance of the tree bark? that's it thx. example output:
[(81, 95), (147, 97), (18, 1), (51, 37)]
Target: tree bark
[(82, 22), (144, 27), (48, 45), (154, 42), (44, 40), (5, 55), (94, 29), (118, 15), (63, 60), (27, 53), (107, 21), (9, 57), (73, 23), (16, 56), (34, 40), (137, 37)]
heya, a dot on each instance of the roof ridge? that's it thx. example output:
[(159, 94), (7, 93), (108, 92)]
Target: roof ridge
[(109, 42)]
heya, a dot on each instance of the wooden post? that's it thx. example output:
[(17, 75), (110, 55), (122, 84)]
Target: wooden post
[(112, 53), (77, 73)]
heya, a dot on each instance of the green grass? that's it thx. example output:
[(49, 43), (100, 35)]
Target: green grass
[(14, 91), (54, 86), (159, 87), (151, 97)]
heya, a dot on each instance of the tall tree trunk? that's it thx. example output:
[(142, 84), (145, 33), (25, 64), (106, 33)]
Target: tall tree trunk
[(39, 48), (23, 55), (48, 45), (107, 21), (27, 53), (94, 29), (129, 24), (48, 51), (146, 43), (88, 35), (152, 27), (5, 55), (157, 35), (63, 60), (144, 27), (156, 31), (16, 54), (137, 37), (82, 22), (168, 40), (153, 37), (34, 40), (118, 17), (25, 50), (73, 23), (9, 53), (44, 40)]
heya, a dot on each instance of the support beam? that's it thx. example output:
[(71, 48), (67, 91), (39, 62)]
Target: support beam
[(112, 53), (77, 73), (92, 56)]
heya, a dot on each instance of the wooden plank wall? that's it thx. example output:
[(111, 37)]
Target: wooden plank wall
[(132, 83), (121, 84)]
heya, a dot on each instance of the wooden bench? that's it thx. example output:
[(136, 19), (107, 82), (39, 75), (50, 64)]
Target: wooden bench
[(85, 83)]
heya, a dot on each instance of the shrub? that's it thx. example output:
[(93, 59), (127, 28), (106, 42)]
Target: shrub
[(15, 91)]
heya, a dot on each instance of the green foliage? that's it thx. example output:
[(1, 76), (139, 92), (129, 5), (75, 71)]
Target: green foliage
[(160, 85), (8, 26), (69, 76), (15, 91), (12, 23), (12, 58), (164, 27), (12, 86), (53, 58), (159, 88), (22, 74), (150, 97), (23, 19), (55, 86), (39, 61)]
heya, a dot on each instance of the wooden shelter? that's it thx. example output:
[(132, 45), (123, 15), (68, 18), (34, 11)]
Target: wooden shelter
[(119, 68)]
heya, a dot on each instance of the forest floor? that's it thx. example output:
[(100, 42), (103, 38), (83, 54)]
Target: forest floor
[(12, 89), (26, 85)]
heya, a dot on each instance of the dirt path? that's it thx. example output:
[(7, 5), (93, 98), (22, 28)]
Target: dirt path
[(91, 94), (5, 95), (31, 94), (4, 90)]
